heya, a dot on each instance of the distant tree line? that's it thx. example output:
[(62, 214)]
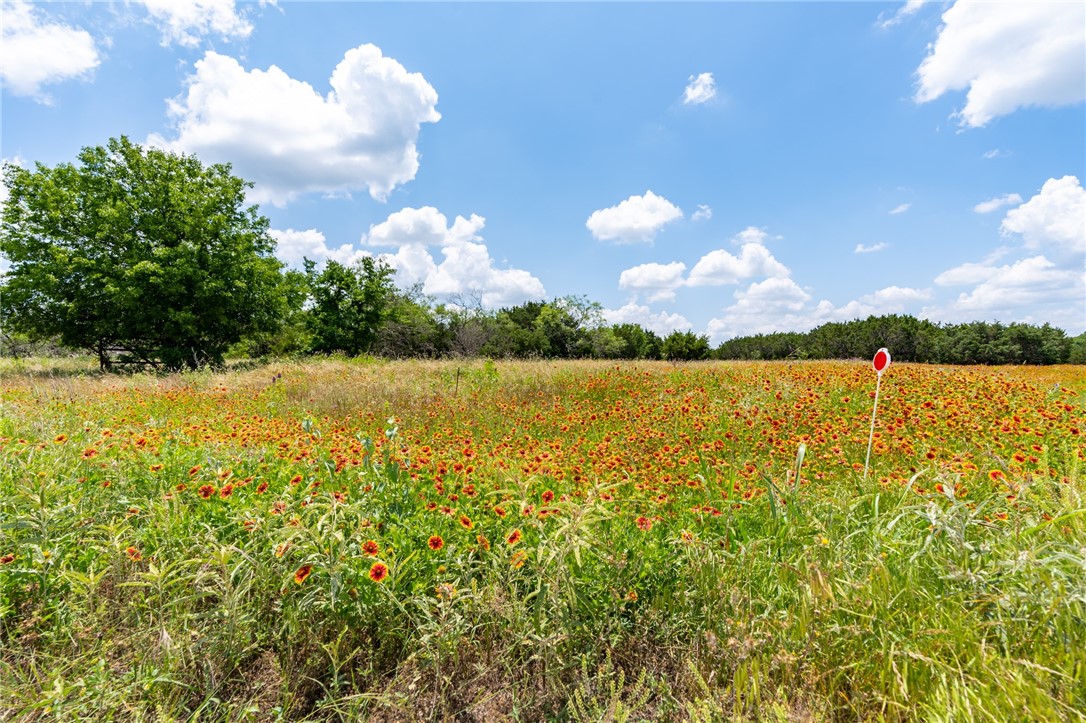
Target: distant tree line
[(146, 257), (916, 340)]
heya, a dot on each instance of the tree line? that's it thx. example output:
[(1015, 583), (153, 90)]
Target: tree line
[(142, 256)]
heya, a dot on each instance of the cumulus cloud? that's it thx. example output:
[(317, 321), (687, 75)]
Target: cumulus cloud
[(994, 204), (661, 322), (659, 281), (779, 304), (1055, 217), (187, 22), (700, 89), (35, 51), (289, 140), (861, 249), (467, 267), (750, 235), (293, 246), (900, 209), (718, 267), (637, 219), (704, 213), (1009, 56), (1033, 289)]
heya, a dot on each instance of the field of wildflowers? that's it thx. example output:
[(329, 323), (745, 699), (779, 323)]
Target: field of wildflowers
[(532, 540)]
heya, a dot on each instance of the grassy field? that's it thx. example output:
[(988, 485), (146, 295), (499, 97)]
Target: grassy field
[(344, 540)]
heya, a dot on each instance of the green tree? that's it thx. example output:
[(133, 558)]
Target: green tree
[(349, 305), (685, 346), (140, 251)]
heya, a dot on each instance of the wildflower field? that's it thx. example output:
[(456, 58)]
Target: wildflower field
[(345, 540)]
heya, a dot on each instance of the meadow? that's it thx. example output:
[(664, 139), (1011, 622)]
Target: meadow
[(590, 541)]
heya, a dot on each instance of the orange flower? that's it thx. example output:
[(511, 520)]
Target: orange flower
[(133, 554), (281, 549), (295, 479), (262, 488), (226, 491), (60, 438), (435, 542), (156, 467), (370, 547), (194, 470), (517, 561), (643, 523), (466, 522), (500, 512), (379, 571), (90, 452), (513, 538), (207, 491), (6, 559), (995, 475), (302, 573), (547, 497)]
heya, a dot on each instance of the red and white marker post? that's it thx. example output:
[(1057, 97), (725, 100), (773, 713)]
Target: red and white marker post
[(881, 363)]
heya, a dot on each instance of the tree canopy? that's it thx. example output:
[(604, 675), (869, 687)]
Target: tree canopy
[(138, 251)]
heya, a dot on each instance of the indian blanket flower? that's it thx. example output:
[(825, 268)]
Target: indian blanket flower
[(207, 491), (7, 559), (435, 542), (370, 547), (643, 523), (466, 522), (133, 554), (517, 561), (513, 538), (302, 573), (378, 572)]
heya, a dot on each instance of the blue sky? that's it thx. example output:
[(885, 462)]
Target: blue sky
[(727, 168)]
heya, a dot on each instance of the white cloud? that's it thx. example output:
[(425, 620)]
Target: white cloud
[(718, 267), (778, 305), (467, 267), (700, 89), (1009, 55), (35, 52), (909, 8), (292, 246), (995, 153), (704, 213), (289, 140), (861, 249), (893, 298), (424, 226), (1007, 199), (1055, 217), (750, 235), (186, 22), (900, 209), (661, 322), (1030, 290), (966, 274), (637, 219), (658, 280)]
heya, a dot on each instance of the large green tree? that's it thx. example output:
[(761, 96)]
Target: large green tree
[(139, 251), (349, 304)]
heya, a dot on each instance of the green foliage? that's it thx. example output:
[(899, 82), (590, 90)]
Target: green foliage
[(911, 340), (685, 346), (140, 250), (349, 305)]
